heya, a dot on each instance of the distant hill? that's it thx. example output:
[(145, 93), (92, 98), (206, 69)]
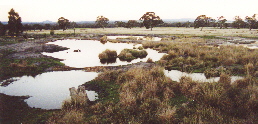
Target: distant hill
[(179, 20)]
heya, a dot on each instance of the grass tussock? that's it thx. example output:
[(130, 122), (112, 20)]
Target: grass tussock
[(188, 55), (127, 38), (103, 39), (142, 95), (108, 54), (130, 54)]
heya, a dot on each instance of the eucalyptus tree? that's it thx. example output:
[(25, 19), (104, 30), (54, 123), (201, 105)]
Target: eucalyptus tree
[(2, 29), (151, 20), (63, 23), (222, 22), (252, 21), (14, 23), (238, 22), (131, 23), (102, 21), (202, 21)]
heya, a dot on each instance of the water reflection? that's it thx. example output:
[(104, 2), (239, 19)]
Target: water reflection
[(137, 37), (49, 90), (88, 57), (175, 75)]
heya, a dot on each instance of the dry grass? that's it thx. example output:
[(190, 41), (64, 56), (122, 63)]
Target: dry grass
[(192, 57), (142, 95), (67, 117), (160, 30), (108, 54)]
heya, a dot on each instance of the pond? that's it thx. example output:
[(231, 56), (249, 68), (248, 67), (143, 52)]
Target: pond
[(89, 51), (49, 90), (138, 38), (175, 75)]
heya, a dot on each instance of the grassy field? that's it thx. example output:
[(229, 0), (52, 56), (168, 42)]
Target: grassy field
[(159, 30)]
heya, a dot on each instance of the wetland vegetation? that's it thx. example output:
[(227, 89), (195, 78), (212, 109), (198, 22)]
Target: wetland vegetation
[(130, 73)]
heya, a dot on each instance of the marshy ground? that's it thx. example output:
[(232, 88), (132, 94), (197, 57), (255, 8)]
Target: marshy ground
[(141, 93)]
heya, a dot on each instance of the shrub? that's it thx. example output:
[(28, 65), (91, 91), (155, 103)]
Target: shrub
[(52, 32)]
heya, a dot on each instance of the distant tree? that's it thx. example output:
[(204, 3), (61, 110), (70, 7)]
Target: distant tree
[(2, 29), (187, 24), (222, 22), (47, 26), (238, 22), (131, 23), (150, 20), (120, 24), (102, 21), (251, 21), (63, 23), (37, 27), (202, 21), (178, 24), (14, 23)]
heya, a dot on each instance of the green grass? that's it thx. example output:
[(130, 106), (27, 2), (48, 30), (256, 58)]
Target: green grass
[(210, 37), (29, 66)]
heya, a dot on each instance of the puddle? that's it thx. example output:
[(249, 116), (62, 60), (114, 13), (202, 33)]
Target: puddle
[(175, 75), (49, 90), (89, 51)]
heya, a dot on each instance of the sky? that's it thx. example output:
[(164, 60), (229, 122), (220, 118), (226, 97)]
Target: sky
[(88, 10)]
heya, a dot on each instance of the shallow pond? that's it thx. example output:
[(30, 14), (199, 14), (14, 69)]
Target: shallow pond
[(175, 75), (89, 51), (49, 90), (138, 38)]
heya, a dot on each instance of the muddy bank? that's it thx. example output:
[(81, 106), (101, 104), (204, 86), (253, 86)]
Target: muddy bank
[(15, 110)]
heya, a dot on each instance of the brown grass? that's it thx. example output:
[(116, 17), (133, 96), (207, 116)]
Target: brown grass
[(159, 30)]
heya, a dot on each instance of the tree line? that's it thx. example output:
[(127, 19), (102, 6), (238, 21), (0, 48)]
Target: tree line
[(148, 20)]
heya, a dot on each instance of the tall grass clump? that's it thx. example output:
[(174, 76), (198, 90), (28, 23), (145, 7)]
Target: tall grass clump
[(103, 39), (220, 101), (108, 54), (130, 54), (189, 55), (146, 95)]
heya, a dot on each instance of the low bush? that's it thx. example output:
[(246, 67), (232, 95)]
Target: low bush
[(52, 32)]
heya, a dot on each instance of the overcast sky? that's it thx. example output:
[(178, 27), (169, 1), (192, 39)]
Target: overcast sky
[(88, 10)]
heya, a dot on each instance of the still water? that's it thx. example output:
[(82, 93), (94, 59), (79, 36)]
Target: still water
[(175, 75), (49, 90), (138, 38), (88, 57)]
